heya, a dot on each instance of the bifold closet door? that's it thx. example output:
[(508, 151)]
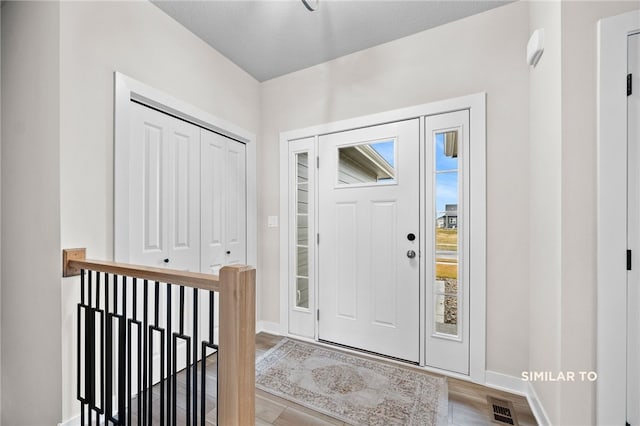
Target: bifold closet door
[(224, 202), (164, 190)]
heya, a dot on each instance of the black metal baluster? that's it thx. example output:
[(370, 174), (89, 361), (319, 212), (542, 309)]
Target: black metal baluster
[(215, 345), (156, 328), (80, 397), (100, 410), (187, 340), (195, 356), (131, 322), (145, 341), (89, 352), (149, 383), (109, 351), (168, 350), (120, 369), (174, 349), (122, 345), (210, 344)]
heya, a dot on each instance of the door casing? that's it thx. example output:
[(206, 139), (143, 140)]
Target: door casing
[(128, 89), (612, 222), (476, 104)]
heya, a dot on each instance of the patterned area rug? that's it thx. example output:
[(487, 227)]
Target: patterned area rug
[(350, 388)]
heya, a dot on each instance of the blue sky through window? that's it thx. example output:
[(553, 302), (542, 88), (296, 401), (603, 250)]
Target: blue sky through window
[(385, 149), (446, 183)]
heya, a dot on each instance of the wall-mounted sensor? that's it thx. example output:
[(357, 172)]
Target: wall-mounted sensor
[(535, 47)]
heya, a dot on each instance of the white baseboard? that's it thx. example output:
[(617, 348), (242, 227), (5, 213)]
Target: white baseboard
[(506, 383), (518, 386), (268, 327), (536, 407), (74, 421)]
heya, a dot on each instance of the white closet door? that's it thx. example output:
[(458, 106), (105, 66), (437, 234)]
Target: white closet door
[(164, 202), (236, 204), (184, 219), (223, 198)]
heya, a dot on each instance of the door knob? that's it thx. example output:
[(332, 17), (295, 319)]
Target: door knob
[(411, 254)]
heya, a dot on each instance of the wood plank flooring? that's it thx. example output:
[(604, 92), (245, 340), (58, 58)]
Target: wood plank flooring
[(467, 401)]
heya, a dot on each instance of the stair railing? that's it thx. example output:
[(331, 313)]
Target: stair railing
[(129, 316)]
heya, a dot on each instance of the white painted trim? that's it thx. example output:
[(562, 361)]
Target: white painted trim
[(516, 385), (507, 383), (477, 125), (284, 236), (611, 221), (268, 327), (536, 406), (127, 89), (74, 421)]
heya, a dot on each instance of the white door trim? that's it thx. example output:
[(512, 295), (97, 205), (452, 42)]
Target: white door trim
[(128, 89), (612, 222), (477, 123)]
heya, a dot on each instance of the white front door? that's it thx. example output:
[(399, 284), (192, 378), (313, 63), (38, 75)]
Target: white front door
[(633, 229), (369, 295)]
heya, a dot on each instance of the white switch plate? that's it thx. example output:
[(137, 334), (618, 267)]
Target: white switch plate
[(272, 221)]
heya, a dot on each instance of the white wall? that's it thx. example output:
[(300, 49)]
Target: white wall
[(545, 128), (141, 41), (1, 5), (563, 203), (578, 310), (480, 53), (31, 338)]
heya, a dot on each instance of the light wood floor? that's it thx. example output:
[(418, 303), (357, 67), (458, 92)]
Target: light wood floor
[(467, 401)]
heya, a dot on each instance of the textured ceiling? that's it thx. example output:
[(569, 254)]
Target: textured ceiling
[(270, 38)]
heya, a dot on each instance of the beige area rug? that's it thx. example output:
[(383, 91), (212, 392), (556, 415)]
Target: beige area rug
[(353, 389)]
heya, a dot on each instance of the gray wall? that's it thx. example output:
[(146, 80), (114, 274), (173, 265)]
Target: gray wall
[(141, 41), (31, 265)]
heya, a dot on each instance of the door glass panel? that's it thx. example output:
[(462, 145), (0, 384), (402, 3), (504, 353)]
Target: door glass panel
[(446, 291), (302, 230), (367, 163)]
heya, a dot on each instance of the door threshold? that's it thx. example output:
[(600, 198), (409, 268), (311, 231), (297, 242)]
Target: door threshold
[(364, 351)]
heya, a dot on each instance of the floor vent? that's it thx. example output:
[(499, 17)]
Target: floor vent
[(502, 411)]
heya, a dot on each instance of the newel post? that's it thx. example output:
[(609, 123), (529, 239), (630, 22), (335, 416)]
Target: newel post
[(237, 348)]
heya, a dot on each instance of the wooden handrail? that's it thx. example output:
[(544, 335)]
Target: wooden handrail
[(74, 260)]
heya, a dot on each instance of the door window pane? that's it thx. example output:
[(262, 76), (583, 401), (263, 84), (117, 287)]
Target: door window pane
[(447, 150), (302, 230), (446, 227), (367, 163)]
